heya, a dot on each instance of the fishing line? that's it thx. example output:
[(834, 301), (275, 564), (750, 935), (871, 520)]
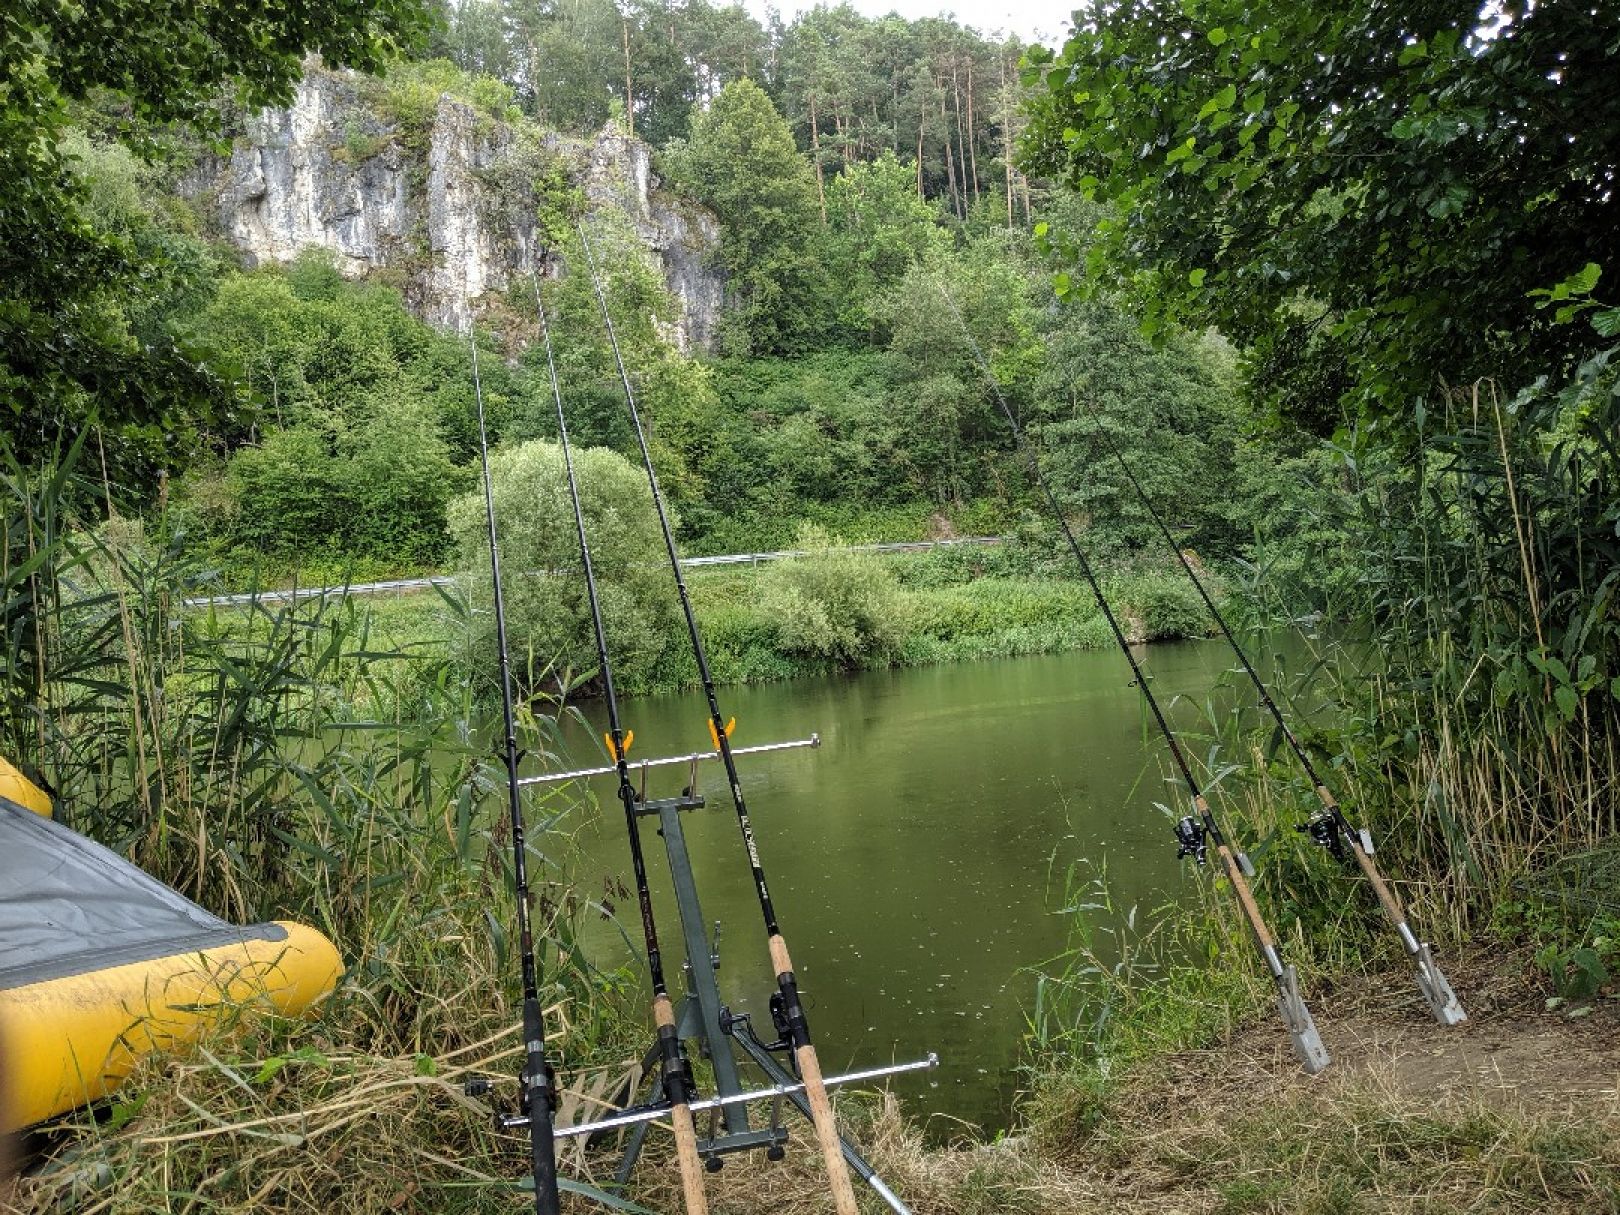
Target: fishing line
[(787, 997), (1194, 836), (676, 1071), (537, 1100), (1329, 829)]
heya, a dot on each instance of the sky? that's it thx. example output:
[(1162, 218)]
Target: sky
[(1047, 20)]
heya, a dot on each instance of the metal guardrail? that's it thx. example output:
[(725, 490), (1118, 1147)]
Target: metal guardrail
[(395, 586)]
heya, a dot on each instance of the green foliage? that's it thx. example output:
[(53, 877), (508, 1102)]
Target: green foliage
[(548, 615), (1580, 972), (408, 94), (834, 604), (853, 88), (740, 161), (397, 480), (372, 408), (942, 404), (877, 229), (1167, 607), (84, 330), (1170, 412), (1379, 190), (287, 491), (320, 351), (285, 762)]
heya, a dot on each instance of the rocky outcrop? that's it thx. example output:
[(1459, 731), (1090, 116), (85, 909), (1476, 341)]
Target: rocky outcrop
[(442, 205), (619, 174)]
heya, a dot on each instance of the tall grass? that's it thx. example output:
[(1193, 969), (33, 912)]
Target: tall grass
[(279, 761), (1478, 703)]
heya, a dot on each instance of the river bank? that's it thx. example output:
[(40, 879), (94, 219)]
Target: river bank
[(1516, 1110), (942, 606)]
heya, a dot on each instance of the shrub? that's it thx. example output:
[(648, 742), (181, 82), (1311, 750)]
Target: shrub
[(287, 490), (399, 484), (1167, 607), (835, 604), (548, 614)]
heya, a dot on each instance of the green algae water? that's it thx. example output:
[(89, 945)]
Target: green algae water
[(917, 857)]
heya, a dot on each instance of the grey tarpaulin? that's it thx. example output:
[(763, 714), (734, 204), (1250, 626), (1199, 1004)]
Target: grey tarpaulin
[(69, 906)]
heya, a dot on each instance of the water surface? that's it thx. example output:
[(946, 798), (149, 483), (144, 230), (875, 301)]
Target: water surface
[(916, 859)]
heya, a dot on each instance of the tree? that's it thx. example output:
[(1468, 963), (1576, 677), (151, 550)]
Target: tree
[(1170, 409), (68, 350), (1368, 196), (548, 615), (955, 436), (877, 229), (741, 162)]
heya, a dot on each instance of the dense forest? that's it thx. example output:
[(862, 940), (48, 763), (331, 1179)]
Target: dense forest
[(854, 165)]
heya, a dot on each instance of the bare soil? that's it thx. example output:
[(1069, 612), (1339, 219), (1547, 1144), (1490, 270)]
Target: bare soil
[(1517, 1109), (1512, 1051)]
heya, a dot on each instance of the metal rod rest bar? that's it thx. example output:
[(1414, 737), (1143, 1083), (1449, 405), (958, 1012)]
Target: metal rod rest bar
[(631, 1117), (549, 778)]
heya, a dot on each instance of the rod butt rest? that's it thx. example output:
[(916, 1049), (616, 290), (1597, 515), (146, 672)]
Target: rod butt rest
[(1313, 1056), (1437, 993)]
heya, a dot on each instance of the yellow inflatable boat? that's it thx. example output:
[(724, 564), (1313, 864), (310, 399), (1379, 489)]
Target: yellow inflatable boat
[(101, 964)]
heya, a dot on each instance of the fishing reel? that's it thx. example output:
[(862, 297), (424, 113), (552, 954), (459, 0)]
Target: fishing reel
[(736, 1023), (505, 1120), (1324, 832), (1192, 839)]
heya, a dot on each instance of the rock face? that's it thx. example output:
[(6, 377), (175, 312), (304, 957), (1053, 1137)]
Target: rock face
[(440, 206)]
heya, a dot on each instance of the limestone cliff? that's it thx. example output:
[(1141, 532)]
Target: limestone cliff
[(444, 204)]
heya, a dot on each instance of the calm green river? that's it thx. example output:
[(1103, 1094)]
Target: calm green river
[(916, 858)]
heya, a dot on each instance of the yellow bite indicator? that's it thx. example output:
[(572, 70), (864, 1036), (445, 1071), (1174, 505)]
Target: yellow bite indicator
[(715, 738), (629, 737)]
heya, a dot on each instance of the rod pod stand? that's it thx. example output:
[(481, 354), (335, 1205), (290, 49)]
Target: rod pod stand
[(700, 1014), (804, 1051)]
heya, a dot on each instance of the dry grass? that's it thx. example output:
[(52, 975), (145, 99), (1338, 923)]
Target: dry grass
[(286, 1118)]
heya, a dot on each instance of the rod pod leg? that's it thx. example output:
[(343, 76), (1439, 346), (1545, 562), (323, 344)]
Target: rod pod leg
[(1297, 1019), (1436, 991)]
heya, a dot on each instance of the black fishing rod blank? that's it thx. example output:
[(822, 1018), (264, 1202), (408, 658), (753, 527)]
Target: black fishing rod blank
[(788, 999), (675, 1070), (1330, 828), (1196, 833), (537, 1100)]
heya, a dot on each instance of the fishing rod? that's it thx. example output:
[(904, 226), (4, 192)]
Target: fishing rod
[(1194, 835), (787, 999), (1330, 828), (538, 1099), (676, 1071)]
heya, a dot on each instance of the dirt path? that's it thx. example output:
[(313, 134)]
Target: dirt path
[(1517, 1110), (1512, 1050)]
